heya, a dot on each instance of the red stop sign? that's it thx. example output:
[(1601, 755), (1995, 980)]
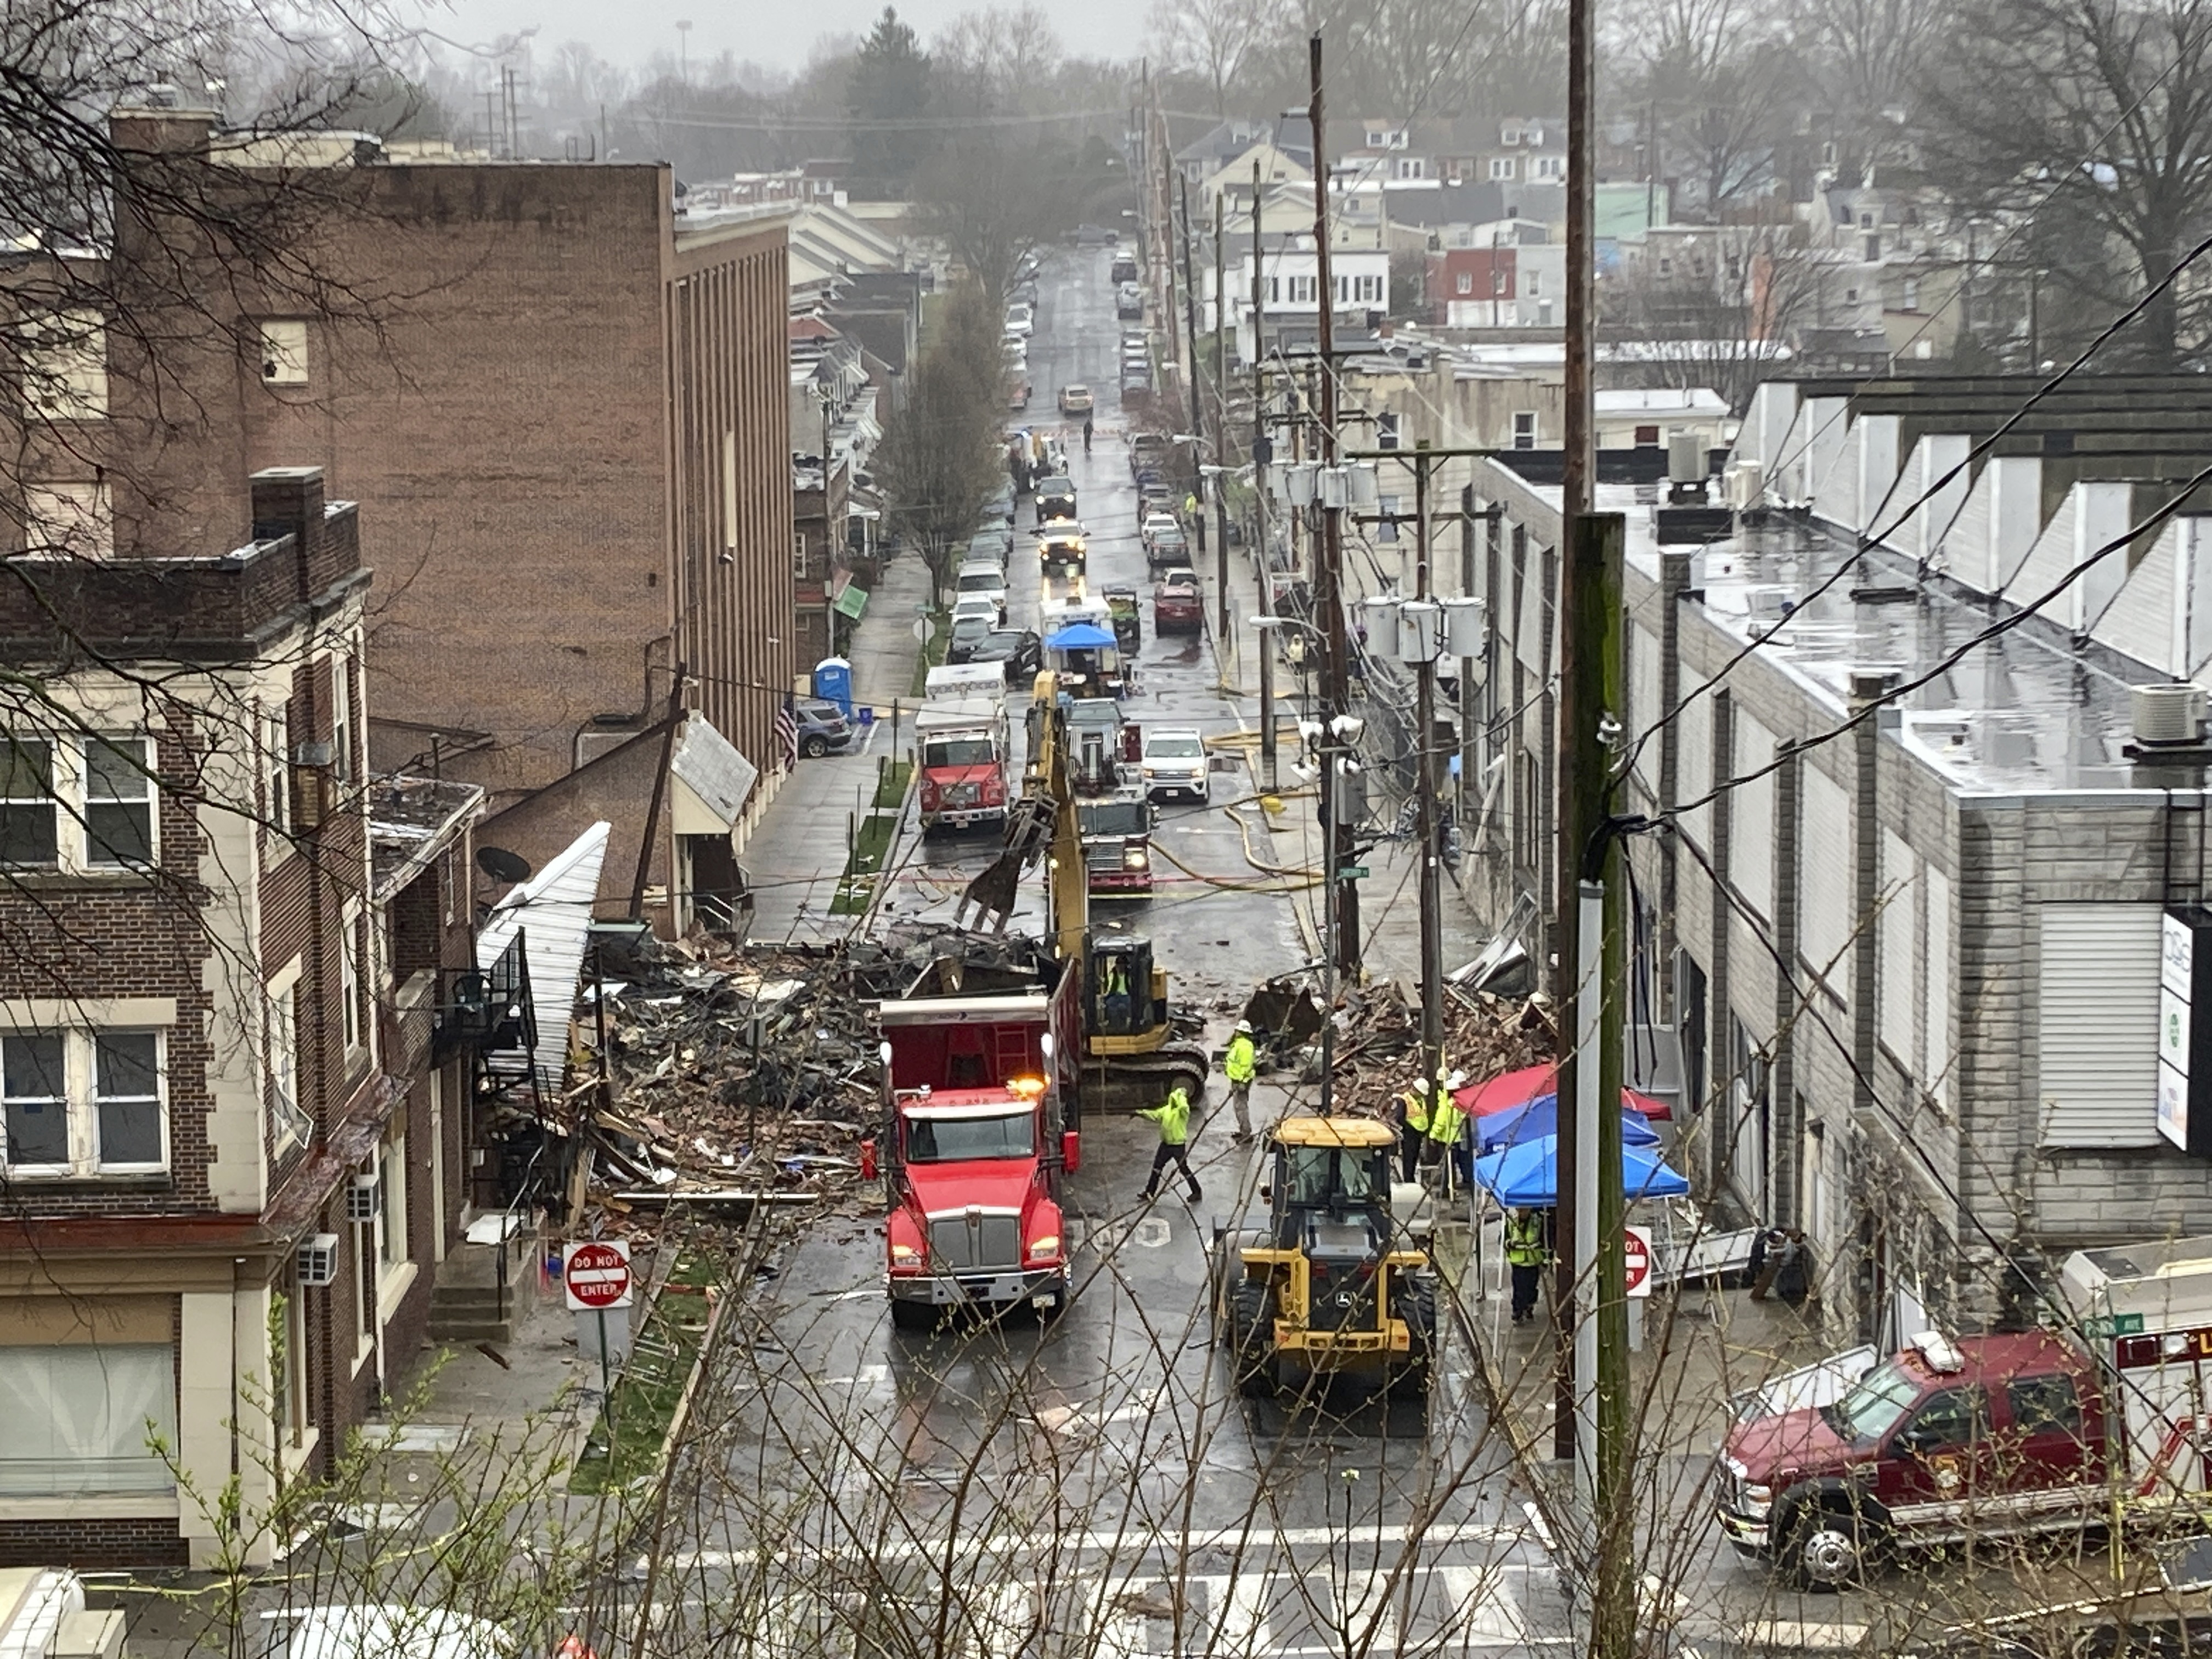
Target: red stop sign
[(598, 1275)]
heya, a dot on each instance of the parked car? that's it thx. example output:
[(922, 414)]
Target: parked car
[(1021, 319), (1075, 400), (984, 579), (1019, 648), (1178, 605), (1090, 235), (1125, 268), (1168, 550), (823, 728), (1001, 506), (968, 632), (1175, 763), (1017, 392), (991, 546), (1128, 300)]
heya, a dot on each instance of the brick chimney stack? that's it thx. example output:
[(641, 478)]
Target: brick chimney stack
[(287, 501)]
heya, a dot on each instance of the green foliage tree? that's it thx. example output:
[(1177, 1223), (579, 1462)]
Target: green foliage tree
[(885, 97), (939, 461)]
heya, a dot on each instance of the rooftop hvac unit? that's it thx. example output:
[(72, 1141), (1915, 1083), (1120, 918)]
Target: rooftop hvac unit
[(2173, 716), (361, 1197), (318, 1260), (1743, 483), (1686, 458)]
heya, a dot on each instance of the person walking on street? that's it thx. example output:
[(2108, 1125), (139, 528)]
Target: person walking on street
[(1527, 1256), (1240, 1064), (1173, 1116), (1412, 1129), (1086, 435)]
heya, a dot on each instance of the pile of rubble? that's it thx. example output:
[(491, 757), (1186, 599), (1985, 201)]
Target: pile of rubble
[(740, 1074), (1378, 1038)]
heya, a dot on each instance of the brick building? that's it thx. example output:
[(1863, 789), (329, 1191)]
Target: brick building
[(217, 998), (570, 413)]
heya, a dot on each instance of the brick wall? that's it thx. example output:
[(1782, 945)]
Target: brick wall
[(89, 1546)]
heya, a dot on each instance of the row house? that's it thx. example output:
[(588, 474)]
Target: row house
[(1905, 960), (834, 400), (232, 1150), (1290, 273), (1508, 274)]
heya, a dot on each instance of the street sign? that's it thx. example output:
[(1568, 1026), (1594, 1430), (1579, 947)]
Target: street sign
[(1636, 1245), (1353, 872), (921, 629), (2100, 1328), (597, 1275)]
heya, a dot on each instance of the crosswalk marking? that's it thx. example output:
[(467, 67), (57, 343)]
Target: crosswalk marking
[(1484, 1611)]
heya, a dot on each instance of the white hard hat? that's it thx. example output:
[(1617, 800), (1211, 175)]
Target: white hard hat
[(1457, 1080), (1244, 1025)]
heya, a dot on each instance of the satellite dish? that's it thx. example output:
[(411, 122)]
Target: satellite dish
[(502, 865)]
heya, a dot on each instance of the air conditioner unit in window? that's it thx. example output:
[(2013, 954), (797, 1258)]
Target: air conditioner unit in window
[(362, 1197), (318, 1260)]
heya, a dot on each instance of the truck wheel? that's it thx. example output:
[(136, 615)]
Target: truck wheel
[(1416, 1306), (914, 1315), (1827, 1548), (1248, 1339)]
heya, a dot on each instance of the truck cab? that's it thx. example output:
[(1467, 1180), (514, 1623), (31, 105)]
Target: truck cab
[(1994, 1435), (961, 754), (976, 1137), (1117, 846)]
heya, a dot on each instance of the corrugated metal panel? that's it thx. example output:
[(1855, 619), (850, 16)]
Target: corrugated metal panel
[(2097, 1025), (1899, 992), (1938, 1065), (553, 913), (1644, 709), (1694, 776), (1751, 821), (2139, 622), (1825, 870)]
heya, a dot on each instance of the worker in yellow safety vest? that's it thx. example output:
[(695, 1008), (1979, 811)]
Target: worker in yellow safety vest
[(1241, 1065), (1448, 1130), (1173, 1117), (1527, 1254), (1412, 1127)]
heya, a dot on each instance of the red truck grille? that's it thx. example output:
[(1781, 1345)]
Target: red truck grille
[(961, 1243)]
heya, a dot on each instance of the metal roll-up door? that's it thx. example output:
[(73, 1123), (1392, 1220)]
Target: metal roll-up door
[(2097, 1025)]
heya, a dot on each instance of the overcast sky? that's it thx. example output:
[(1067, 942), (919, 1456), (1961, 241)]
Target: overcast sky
[(776, 34)]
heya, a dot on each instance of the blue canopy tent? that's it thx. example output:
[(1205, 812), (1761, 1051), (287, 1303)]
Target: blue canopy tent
[(1526, 1176), (1080, 636), (1540, 1118)]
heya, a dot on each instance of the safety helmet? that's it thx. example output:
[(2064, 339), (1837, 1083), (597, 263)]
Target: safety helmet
[(1244, 1025)]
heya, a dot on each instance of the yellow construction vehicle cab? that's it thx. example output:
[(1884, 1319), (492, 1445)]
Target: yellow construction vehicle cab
[(1332, 1284)]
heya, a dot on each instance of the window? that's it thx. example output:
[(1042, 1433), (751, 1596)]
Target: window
[(64, 361), (1524, 428), (1410, 166), (79, 804), (118, 803), (1497, 280), (1532, 282), (27, 807), (1274, 290), (1551, 166), (1376, 138), (1851, 296), (82, 1102), (1386, 430), (79, 1415), (2044, 1405), (127, 1099), (284, 351), (69, 521), (1501, 168), (284, 1033), (1304, 290), (1647, 437), (1866, 222), (1954, 1417), (1510, 133), (1367, 290), (1911, 293), (349, 975), (277, 771), (392, 1169), (1665, 267), (342, 717), (37, 1098), (1465, 284)]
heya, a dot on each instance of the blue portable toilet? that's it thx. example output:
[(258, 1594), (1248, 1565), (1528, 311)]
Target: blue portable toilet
[(833, 679)]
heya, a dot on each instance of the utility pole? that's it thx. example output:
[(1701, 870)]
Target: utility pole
[(1424, 727), (1579, 629), (1261, 453), (1221, 415), (1329, 600), (1190, 380)]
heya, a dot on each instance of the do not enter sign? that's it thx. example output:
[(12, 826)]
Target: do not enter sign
[(597, 1275), (1635, 1246)]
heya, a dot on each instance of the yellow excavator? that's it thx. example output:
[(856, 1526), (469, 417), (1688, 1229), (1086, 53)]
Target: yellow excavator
[(1131, 1055)]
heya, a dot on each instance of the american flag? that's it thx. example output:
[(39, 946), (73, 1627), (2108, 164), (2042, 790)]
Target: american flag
[(787, 734)]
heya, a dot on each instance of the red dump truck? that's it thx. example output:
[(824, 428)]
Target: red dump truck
[(2101, 1417), (961, 747), (979, 1131)]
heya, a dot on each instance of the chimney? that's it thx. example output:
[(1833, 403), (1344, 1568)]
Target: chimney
[(287, 501), (158, 123)]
